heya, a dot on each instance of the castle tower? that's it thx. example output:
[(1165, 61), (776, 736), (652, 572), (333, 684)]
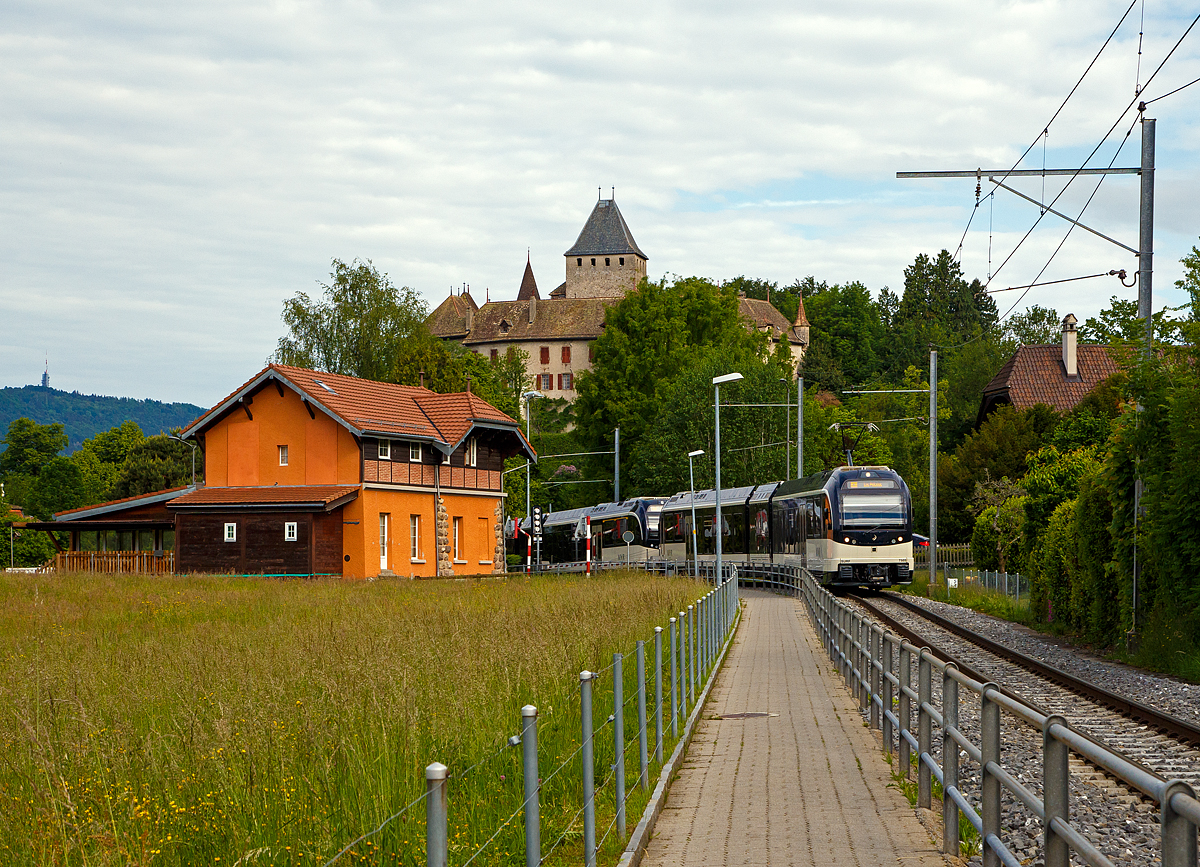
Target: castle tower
[(605, 261)]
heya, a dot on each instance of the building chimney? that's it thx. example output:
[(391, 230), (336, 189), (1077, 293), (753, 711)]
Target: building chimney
[(422, 378), (1070, 355), (470, 314), (532, 309)]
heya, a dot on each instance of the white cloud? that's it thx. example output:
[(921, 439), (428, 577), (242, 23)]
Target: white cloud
[(172, 174)]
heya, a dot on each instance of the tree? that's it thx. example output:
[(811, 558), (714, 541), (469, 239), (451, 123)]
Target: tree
[(57, 487), (359, 328), (1002, 499), (29, 446), (157, 463), (100, 459), (847, 331), (1032, 327)]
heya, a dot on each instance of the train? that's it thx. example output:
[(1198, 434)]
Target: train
[(851, 526)]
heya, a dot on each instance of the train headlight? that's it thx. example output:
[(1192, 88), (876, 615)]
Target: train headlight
[(846, 539)]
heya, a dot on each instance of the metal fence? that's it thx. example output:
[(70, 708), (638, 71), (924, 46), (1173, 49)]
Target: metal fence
[(877, 667), (692, 642), (1009, 584)]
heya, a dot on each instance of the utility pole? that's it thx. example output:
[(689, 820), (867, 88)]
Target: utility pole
[(800, 427), (933, 453), (1146, 229)]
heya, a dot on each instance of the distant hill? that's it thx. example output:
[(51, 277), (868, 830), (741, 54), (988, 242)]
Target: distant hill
[(85, 415)]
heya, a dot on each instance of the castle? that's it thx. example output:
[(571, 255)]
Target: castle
[(556, 334)]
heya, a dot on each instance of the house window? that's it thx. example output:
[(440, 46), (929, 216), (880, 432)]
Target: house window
[(579, 262), (385, 450), (566, 355), (593, 261), (606, 262), (458, 540), (545, 354), (495, 355), (283, 456), (566, 384), (414, 538), (485, 533), (289, 531), (547, 381), (472, 453), (414, 452), (384, 536), (591, 353), (622, 260), (231, 532)]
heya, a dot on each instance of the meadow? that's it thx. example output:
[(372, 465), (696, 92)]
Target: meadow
[(181, 720)]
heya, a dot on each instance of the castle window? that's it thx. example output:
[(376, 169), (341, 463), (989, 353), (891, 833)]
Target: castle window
[(547, 381), (622, 260), (593, 261), (591, 353), (566, 355), (495, 354), (564, 381), (606, 262), (579, 262), (545, 354)]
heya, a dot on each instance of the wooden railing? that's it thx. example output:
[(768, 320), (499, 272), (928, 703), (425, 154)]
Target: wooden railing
[(950, 555), (115, 562)]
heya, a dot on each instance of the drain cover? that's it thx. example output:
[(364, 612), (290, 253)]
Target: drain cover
[(754, 714)]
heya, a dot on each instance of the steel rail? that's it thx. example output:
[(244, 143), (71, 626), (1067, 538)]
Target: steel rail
[(1163, 722)]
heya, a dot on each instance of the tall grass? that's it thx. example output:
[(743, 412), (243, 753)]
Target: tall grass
[(217, 720)]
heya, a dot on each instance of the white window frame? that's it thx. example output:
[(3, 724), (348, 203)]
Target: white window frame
[(290, 533), (568, 381), (458, 540), (472, 452), (414, 539), (283, 455), (547, 382), (384, 450), (414, 452), (230, 532)]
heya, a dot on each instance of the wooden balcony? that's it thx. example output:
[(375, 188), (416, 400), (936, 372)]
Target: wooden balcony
[(115, 562)]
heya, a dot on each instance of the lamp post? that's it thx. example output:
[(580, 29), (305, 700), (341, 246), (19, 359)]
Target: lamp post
[(692, 482), (187, 443), (718, 381), (526, 397), (787, 429)]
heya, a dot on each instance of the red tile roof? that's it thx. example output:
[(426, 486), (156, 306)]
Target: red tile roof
[(275, 495), (1035, 375), (366, 406)]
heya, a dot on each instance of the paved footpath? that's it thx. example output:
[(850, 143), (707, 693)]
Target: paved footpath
[(806, 787)]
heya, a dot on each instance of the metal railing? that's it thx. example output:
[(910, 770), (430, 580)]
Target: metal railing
[(877, 668), (1009, 584), (693, 642)]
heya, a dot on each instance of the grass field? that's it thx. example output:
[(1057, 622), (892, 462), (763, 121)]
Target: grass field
[(215, 720)]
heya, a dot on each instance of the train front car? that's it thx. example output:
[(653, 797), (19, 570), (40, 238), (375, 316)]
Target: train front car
[(850, 527)]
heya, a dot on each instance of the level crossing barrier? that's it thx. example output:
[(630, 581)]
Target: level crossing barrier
[(693, 642), (877, 668)]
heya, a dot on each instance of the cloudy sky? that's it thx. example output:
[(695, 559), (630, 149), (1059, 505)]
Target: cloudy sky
[(172, 172)]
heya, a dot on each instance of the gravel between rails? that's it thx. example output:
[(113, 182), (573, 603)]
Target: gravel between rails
[(1123, 825)]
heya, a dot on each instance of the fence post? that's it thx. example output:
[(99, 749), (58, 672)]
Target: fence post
[(533, 823), (924, 725), (888, 693), (1056, 775), (619, 739), (693, 648), (674, 687), (437, 845), (658, 696), (589, 770), (950, 838), (864, 700), (876, 661), (685, 694), (904, 672), (643, 748), (1178, 833), (989, 746)]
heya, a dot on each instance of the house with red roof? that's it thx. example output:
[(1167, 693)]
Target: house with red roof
[(310, 473)]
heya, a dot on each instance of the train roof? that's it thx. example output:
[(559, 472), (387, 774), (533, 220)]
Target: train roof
[(763, 493), (651, 505), (817, 481), (706, 498)]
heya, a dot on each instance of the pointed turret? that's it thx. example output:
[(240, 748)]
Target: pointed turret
[(605, 261), (528, 284)]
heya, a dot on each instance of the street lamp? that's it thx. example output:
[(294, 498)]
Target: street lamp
[(717, 382), (187, 443), (692, 481), (526, 397), (787, 428)]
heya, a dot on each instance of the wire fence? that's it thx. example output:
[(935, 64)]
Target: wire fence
[(623, 719)]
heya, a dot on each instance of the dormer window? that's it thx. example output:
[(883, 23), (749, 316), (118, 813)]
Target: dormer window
[(385, 450), (504, 326)]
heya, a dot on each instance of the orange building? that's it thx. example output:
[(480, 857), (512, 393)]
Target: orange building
[(317, 473)]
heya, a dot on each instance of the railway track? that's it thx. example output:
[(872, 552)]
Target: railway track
[(1161, 743)]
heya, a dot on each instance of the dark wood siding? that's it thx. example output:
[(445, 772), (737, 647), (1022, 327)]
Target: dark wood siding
[(327, 543), (260, 548)]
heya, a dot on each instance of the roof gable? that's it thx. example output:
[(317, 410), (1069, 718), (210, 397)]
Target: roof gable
[(605, 233)]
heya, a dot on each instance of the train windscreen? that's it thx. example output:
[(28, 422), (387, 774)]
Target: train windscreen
[(871, 503)]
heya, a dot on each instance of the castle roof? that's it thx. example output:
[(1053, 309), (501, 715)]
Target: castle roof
[(605, 233), (450, 318), (766, 318), (528, 284), (559, 319)]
